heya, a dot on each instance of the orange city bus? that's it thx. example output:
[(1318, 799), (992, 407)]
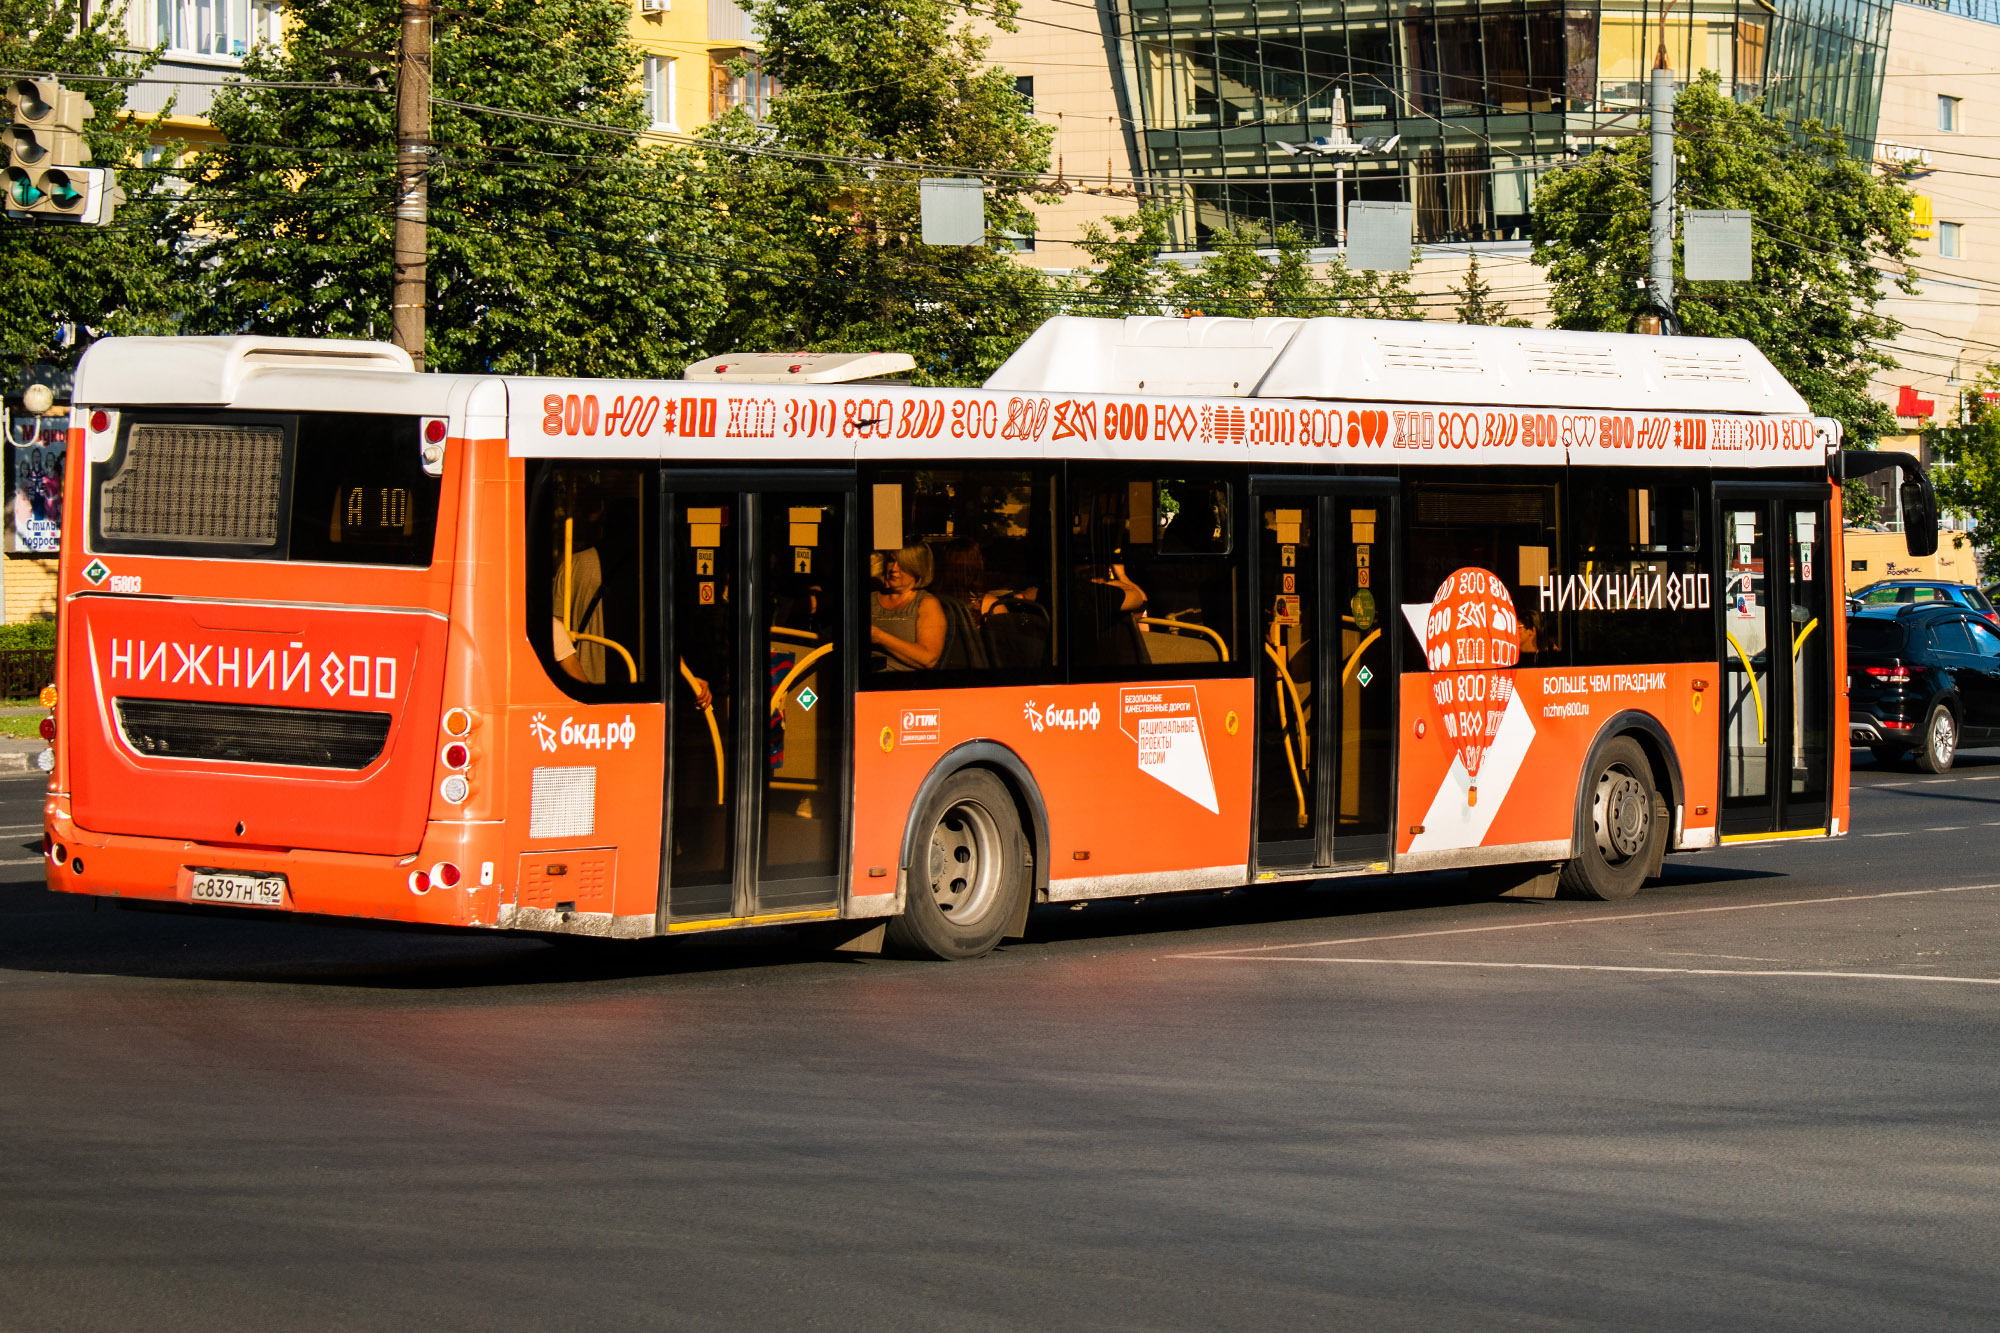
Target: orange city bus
[(1169, 604)]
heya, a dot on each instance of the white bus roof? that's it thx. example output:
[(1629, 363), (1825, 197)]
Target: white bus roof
[(1380, 360)]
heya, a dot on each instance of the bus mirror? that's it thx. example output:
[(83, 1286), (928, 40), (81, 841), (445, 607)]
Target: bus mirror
[(1919, 501), (1920, 521)]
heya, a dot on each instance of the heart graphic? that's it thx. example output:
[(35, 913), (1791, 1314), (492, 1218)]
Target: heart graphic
[(1471, 644)]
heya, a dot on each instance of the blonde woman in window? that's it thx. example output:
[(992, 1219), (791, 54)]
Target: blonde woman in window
[(907, 627)]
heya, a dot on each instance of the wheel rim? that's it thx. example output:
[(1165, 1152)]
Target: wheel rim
[(1623, 814), (1944, 738), (965, 862)]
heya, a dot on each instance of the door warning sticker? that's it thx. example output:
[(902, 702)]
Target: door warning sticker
[(1165, 722)]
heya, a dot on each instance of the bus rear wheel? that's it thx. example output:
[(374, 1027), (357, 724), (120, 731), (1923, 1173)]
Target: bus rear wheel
[(1622, 842), (970, 871)]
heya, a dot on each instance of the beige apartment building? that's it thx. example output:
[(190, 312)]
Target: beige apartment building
[(1940, 120)]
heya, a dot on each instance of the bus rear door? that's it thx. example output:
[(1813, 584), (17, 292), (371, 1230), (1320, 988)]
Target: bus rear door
[(762, 677)]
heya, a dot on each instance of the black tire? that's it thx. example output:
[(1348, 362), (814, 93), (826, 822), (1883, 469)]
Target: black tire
[(1621, 842), (1940, 744), (970, 871)]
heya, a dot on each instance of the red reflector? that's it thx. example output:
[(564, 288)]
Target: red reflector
[(434, 431), (48, 728), (1895, 726), (447, 874), (100, 421), (419, 882), (456, 755)]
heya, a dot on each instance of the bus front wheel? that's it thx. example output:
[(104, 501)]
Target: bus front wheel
[(969, 873), (1621, 843)]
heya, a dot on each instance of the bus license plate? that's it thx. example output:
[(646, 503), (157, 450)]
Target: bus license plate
[(215, 886)]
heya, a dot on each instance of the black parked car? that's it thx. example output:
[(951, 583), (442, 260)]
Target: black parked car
[(1922, 679)]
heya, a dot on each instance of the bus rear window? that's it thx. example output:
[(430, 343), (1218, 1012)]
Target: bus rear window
[(337, 487), (1876, 638)]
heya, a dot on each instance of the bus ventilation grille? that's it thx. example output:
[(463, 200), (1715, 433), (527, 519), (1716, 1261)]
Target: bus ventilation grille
[(252, 733), (563, 803)]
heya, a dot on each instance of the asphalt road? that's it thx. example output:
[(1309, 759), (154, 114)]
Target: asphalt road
[(1762, 1094)]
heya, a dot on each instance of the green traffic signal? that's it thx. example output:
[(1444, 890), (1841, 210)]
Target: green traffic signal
[(21, 191), (61, 193)]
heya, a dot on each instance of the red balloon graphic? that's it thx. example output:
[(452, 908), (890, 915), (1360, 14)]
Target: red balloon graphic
[(1472, 640)]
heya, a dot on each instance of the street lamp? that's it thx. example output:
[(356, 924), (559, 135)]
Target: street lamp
[(1343, 148)]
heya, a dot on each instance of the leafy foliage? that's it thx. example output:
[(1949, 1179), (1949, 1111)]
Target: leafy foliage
[(559, 245), (826, 252), (1966, 464), (1246, 276), (1826, 229), (103, 279), (1475, 300)]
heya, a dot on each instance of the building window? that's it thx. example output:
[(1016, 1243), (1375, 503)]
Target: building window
[(751, 91), (1024, 88), (657, 78), (1948, 115), (216, 27), (1951, 240)]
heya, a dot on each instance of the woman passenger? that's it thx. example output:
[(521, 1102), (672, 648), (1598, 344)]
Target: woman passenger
[(907, 626)]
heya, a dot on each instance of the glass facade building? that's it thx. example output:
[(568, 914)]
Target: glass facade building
[(1481, 95)]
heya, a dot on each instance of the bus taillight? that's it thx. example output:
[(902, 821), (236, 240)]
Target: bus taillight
[(445, 874), (455, 789), (457, 756), (457, 722)]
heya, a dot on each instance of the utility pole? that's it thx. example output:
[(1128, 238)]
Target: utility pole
[(410, 288), (1660, 266)]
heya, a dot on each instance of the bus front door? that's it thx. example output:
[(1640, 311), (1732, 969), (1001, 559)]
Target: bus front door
[(1325, 611), (757, 765), (1777, 687)]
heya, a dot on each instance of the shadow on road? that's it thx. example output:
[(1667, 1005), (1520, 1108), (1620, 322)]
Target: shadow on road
[(55, 933)]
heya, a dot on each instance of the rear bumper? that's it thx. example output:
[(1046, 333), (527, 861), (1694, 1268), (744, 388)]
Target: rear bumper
[(320, 883)]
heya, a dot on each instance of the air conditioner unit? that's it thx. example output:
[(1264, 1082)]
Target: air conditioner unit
[(655, 6)]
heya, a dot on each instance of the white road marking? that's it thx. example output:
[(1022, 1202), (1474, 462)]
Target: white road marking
[(1911, 783), (23, 861), (1593, 920), (1606, 967), (1946, 828), (1903, 834)]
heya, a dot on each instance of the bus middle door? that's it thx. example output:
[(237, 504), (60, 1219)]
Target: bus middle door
[(1324, 616)]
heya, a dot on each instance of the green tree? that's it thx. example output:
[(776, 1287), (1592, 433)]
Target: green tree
[(1826, 230), (825, 249), (1128, 278), (109, 279), (1239, 280), (1966, 464), (1476, 304), (557, 244)]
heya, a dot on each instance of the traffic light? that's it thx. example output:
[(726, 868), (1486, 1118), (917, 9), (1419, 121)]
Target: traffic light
[(45, 154)]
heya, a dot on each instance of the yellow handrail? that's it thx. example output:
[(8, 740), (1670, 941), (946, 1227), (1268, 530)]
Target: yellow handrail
[(631, 667), (1804, 634), (1220, 646), (785, 632), (569, 541), (1294, 763), (1756, 695), (714, 732), (798, 669), (1354, 659)]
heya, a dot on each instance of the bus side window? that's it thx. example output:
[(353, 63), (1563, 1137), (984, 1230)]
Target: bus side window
[(593, 583), (1641, 538), (959, 573), (1508, 530), (1155, 572)]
